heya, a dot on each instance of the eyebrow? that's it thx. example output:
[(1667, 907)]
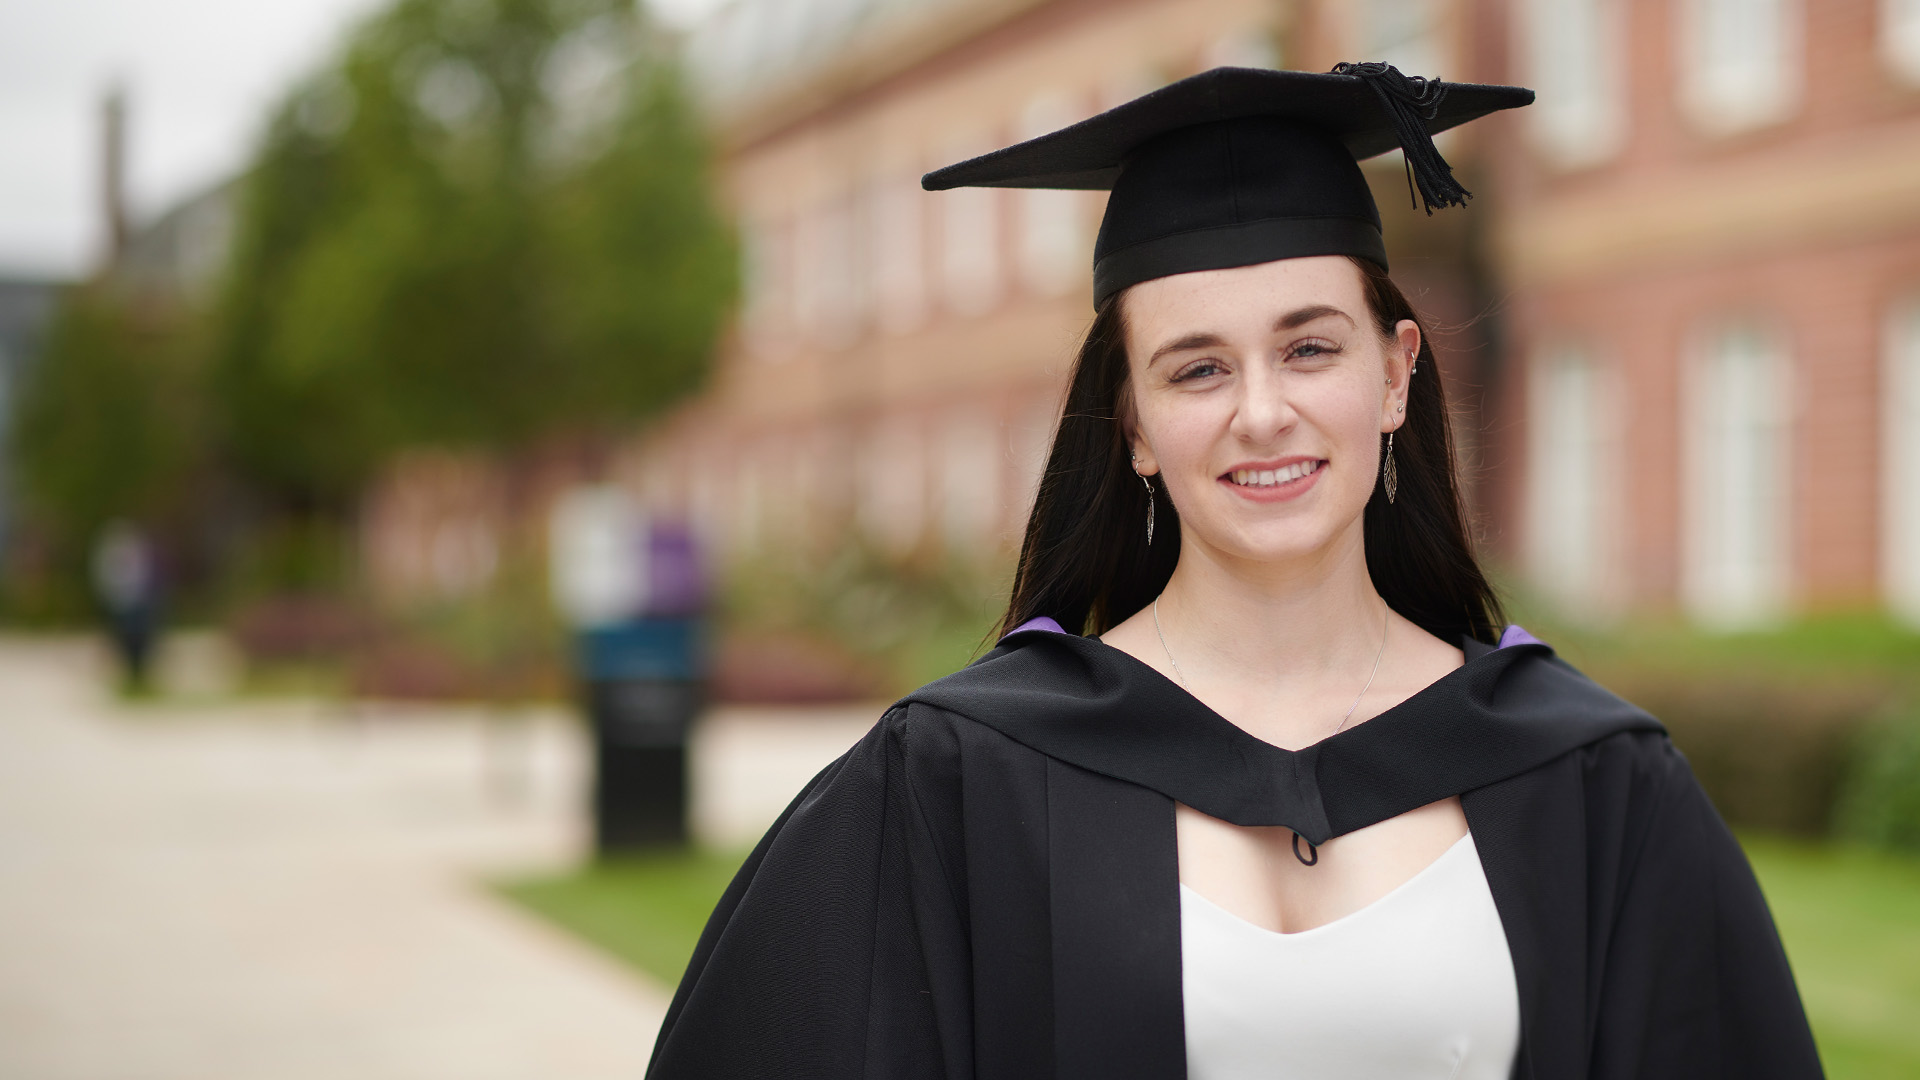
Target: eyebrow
[(1290, 321)]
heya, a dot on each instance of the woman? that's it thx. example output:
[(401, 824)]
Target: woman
[(1299, 807)]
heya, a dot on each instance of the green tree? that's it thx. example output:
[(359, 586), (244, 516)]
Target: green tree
[(489, 223), (104, 428)]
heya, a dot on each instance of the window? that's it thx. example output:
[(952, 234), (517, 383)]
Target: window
[(897, 241), (1576, 64), (1900, 464), (893, 503), (1252, 47), (969, 244), (1122, 86), (839, 294), (747, 505), (1028, 442), (969, 483), (760, 278), (1737, 477), (1740, 62), (1573, 466), (1900, 37), (1404, 33), (806, 291), (1054, 254)]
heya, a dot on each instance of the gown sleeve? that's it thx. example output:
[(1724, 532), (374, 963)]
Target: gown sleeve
[(831, 953), (1695, 982)]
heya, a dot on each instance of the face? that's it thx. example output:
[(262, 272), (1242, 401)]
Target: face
[(1258, 397)]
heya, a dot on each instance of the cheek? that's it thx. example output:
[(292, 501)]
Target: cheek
[(1183, 433), (1345, 412), (1356, 424)]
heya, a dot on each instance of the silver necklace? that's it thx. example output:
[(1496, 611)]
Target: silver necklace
[(1384, 624)]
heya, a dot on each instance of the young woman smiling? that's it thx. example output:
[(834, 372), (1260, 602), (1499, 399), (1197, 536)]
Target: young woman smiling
[(1237, 378), (1257, 783)]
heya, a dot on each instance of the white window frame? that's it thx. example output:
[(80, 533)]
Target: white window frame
[(897, 238), (1574, 465), (1054, 250), (969, 482), (1736, 482), (1899, 36), (762, 280), (1423, 48), (970, 256), (1576, 59), (1741, 64), (1900, 463), (1248, 47), (839, 263), (893, 500)]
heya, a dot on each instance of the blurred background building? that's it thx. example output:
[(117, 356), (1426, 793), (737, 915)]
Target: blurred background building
[(1713, 245), (1682, 319), (1680, 322), (898, 361)]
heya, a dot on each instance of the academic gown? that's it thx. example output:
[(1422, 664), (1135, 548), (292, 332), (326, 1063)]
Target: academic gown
[(986, 885)]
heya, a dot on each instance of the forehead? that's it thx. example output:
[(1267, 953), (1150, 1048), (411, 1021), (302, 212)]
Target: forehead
[(1241, 300)]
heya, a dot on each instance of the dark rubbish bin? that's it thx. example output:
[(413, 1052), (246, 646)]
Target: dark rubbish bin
[(643, 691)]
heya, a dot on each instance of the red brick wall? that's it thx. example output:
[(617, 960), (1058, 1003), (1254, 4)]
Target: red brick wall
[(1825, 284)]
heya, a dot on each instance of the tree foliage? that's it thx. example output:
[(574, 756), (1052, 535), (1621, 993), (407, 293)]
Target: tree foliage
[(489, 222), (104, 425)]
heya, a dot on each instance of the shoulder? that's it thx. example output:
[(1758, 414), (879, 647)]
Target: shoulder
[(927, 747), (1644, 804), (1642, 761)]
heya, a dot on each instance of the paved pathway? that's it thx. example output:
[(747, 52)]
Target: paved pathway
[(268, 891)]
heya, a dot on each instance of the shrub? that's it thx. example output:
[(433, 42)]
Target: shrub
[(1880, 800), (1769, 719), (1771, 753)]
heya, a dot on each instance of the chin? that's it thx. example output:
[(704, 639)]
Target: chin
[(1289, 543)]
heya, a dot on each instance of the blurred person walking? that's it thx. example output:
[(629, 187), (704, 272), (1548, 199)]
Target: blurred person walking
[(126, 582), (1258, 782)]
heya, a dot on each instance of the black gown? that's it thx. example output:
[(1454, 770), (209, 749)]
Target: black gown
[(987, 885)]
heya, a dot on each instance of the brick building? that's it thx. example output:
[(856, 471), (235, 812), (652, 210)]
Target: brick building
[(900, 356), (1712, 242), (1689, 295)]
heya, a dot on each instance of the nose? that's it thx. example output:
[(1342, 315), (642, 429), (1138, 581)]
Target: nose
[(1263, 412)]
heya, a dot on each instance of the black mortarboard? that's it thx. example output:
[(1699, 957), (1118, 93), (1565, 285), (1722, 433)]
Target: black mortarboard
[(1237, 166)]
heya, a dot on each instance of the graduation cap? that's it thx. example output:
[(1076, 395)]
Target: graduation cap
[(1237, 166)]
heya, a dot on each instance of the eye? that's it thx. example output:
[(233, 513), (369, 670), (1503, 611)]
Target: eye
[(1199, 369), (1313, 350)]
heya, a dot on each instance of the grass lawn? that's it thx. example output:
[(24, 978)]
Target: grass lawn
[(1851, 920), (647, 910)]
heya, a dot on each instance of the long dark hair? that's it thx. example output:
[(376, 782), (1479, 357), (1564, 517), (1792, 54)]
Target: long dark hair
[(1085, 560)]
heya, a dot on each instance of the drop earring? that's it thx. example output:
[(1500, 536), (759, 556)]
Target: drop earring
[(1149, 484), (1133, 456), (1389, 473)]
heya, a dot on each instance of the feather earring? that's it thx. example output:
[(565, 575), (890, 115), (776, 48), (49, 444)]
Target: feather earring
[(1389, 473), (1133, 456), (1149, 484)]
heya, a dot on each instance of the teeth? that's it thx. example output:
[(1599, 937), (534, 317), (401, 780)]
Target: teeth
[(1270, 477)]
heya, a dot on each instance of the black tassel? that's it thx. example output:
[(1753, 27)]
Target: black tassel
[(1412, 101)]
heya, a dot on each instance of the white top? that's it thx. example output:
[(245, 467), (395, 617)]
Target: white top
[(1416, 984)]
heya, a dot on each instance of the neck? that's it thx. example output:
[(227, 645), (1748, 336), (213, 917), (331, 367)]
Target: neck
[(1273, 627)]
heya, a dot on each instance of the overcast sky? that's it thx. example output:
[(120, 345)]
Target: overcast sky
[(200, 77)]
